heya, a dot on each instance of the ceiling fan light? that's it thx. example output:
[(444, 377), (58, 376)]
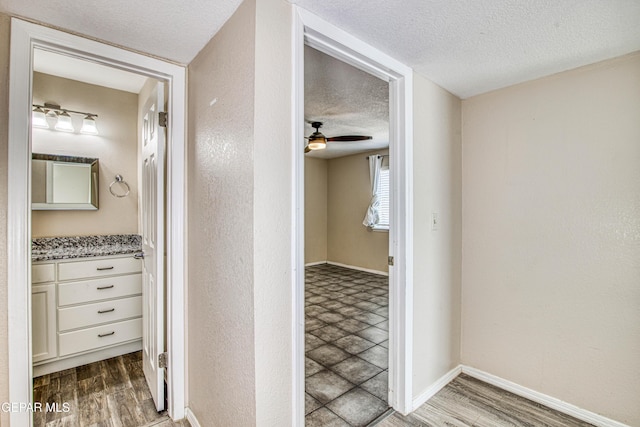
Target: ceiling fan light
[(89, 126), (319, 143), (39, 119), (64, 122)]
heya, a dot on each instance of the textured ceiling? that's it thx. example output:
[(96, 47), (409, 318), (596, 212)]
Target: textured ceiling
[(466, 46), (348, 101), (474, 46), (171, 29)]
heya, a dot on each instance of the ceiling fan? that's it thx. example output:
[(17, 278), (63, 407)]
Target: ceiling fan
[(317, 141)]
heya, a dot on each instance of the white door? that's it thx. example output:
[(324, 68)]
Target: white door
[(152, 213)]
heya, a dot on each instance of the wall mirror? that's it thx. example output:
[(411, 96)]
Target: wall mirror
[(63, 182)]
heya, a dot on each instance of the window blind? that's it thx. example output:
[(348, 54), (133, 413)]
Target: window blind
[(383, 197)]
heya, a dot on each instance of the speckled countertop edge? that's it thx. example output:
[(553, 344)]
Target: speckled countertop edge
[(53, 248)]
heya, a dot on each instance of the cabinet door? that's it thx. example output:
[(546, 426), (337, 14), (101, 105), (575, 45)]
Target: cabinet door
[(43, 321)]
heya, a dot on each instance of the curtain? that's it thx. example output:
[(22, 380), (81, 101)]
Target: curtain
[(372, 217)]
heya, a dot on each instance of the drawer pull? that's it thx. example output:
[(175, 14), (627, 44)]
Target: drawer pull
[(106, 311), (106, 335), (104, 268), (100, 288)]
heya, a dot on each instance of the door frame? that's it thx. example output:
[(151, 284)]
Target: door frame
[(309, 29), (25, 36)]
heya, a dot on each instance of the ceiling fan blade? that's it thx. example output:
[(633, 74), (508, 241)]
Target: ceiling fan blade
[(349, 138), (307, 149)]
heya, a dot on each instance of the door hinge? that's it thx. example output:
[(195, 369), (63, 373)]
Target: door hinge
[(162, 119), (163, 360), (390, 260)]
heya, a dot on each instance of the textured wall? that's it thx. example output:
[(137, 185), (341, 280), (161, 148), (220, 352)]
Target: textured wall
[(220, 226), (273, 214), (437, 181), (5, 24), (315, 210), (349, 193), (551, 225), (115, 147)]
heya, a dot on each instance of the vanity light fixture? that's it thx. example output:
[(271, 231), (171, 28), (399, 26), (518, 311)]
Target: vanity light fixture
[(42, 115)]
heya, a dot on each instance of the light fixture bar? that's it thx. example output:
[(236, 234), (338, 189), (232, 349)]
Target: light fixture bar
[(60, 116), (55, 107)]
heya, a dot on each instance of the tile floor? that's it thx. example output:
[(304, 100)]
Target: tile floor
[(346, 346)]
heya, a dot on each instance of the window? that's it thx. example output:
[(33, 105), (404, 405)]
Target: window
[(383, 197)]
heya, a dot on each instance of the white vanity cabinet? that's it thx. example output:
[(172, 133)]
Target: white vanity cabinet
[(43, 312), (91, 310)]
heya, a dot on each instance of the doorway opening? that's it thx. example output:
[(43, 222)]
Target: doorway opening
[(318, 34), (77, 328), (346, 243), (94, 326)]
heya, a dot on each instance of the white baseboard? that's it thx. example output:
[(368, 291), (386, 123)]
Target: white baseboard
[(86, 358), (353, 267), (551, 402), (190, 416), (436, 387), (309, 264)]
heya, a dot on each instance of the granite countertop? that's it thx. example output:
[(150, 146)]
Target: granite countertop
[(50, 248)]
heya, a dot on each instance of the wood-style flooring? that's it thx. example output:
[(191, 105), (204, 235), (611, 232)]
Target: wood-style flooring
[(108, 393), (467, 401)]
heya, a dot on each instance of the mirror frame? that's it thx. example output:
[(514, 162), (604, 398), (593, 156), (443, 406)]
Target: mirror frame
[(93, 205)]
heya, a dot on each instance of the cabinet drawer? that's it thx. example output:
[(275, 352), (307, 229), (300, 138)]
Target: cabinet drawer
[(85, 315), (41, 273), (99, 289), (98, 268), (99, 336)]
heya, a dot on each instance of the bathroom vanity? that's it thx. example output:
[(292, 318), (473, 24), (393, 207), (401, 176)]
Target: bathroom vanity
[(86, 300)]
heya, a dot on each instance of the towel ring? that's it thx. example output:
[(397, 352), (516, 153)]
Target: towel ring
[(120, 180)]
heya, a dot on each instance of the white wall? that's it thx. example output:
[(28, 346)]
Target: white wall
[(437, 254), (273, 174), (115, 147), (551, 236)]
